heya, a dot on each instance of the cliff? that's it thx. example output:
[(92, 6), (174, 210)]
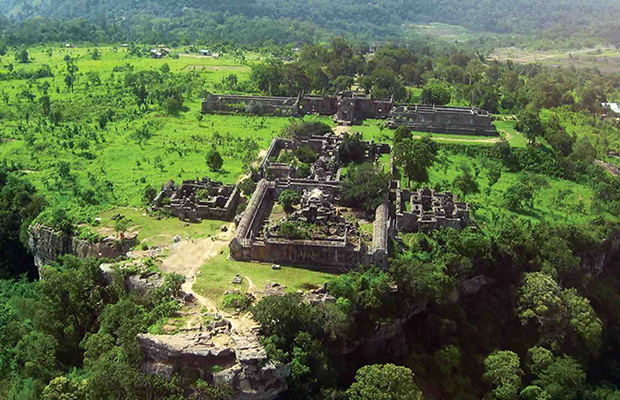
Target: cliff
[(48, 245), (238, 361)]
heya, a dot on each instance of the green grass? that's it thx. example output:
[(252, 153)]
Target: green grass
[(158, 232), (374, 130), (507, 130), (214, 278), (489, 203)]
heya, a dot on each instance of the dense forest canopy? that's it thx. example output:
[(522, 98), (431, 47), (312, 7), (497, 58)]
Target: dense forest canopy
[(305, 19)]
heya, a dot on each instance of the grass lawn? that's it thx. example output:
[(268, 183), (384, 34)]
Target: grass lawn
[(214, 278), (374, 130), (507, 130), (577, 205), (158, 232)]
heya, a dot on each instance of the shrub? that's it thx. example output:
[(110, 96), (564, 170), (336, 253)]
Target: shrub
[(305, 154), (288, 199), (237, 301)]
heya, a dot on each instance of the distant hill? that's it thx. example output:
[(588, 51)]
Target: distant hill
[(377, 18)]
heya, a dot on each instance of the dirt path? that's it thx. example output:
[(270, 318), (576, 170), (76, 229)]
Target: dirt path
[(189, 255), (195, 55), (251, 285), (186, 259), (341, 129), (494, 140)]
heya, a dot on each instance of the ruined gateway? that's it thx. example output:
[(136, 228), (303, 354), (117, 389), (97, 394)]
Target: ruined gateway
[(350, 108), (195, 200)]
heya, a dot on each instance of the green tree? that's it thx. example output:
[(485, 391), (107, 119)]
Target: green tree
[(365, 186), (288, 199), (465, 182), (214, 160), (286, 316), (503, 370), (62, 388), (416, 157), (352, 148), (384, 382), (564, 379), (306, 155), (22, 56), (401, 133), (530, 125), (436, 92), (519, 195)]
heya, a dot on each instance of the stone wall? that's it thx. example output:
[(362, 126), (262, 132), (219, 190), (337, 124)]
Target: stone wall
[(48, 245), (256, 105), (333, 255), (347, 108), (453, 120), (350, 108)]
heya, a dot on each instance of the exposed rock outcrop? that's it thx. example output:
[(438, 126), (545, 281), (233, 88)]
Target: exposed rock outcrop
[(142, 279), (48, 245), (235, 360)]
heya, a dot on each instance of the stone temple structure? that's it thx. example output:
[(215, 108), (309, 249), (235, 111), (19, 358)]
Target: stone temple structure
[(333, 244), (195, 200), (350, 108), (439, 119), (321, 233), (424, 210)]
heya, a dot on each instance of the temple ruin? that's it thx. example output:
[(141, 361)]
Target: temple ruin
[(321, 233), (195, 200), (425, 209), (455, 120), (350, 108)]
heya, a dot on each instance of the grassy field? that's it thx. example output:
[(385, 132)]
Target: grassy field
[(155, 231), (577, 204), (374, 130), (214, 278), (605, 59)]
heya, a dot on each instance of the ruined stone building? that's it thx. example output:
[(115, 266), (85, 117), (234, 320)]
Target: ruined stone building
[(195, 200), (440, 119), (321, 233), (351, 108), (424, 210), (334, 243), (327, 165)]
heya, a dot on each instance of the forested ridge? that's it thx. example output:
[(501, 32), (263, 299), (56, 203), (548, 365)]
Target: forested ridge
[(288, 21)]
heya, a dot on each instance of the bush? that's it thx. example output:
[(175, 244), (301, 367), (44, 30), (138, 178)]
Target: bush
[(295, 230), (214, 160), (303, 171), (247, 186), (288, 199), (305, 154), (237, 301)]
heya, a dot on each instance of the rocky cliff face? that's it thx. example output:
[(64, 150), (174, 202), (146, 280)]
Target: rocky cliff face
[(238, 361), (47, 245)]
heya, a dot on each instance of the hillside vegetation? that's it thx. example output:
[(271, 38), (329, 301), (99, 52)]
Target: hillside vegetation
[(253, 21)]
